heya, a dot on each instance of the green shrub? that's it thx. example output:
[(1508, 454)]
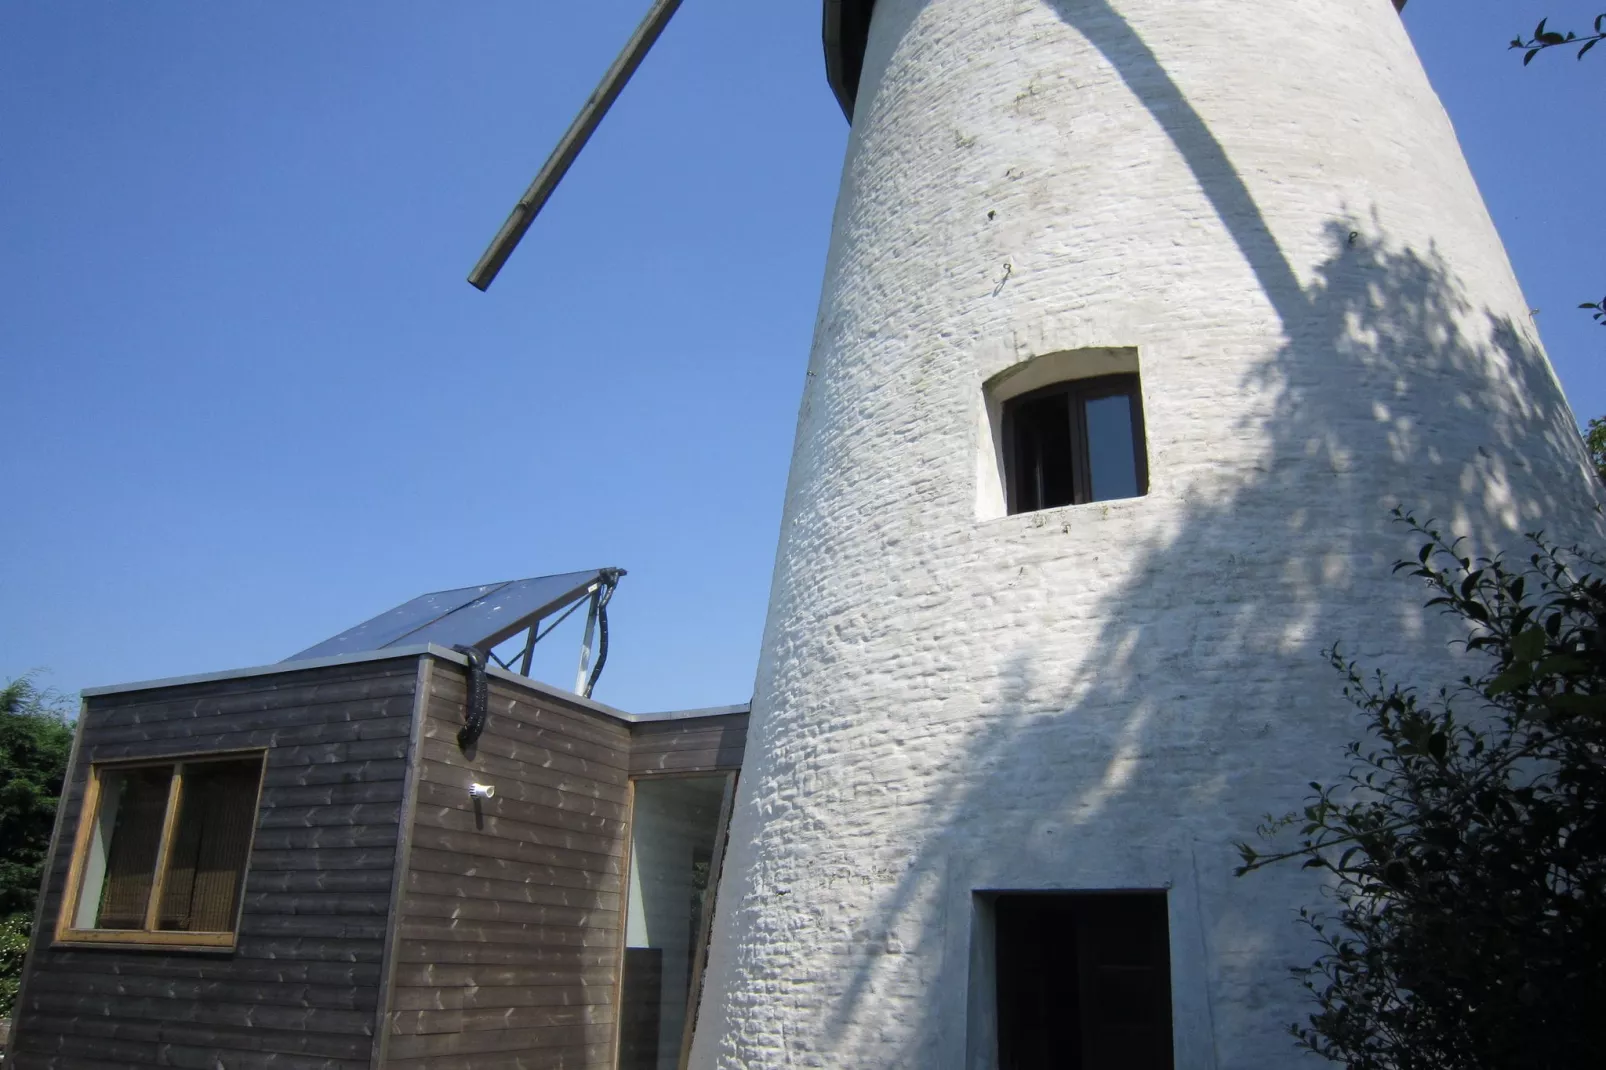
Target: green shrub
[(13, 947), (1465, 850)]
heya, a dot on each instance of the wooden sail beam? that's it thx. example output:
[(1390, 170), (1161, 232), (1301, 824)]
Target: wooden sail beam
[(579, 132)]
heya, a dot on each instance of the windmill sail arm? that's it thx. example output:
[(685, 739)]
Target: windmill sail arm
[(568, 149)]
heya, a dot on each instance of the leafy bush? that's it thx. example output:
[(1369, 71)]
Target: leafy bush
[(1595, 443), (35, 744), (13, 946), (1466, 854)]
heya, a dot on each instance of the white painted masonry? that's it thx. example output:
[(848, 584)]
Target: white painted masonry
[(1267, 204)]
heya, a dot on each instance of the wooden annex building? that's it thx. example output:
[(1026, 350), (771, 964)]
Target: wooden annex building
[(313, 864)]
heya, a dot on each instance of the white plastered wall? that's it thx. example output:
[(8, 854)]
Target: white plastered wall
[(1267, 203)]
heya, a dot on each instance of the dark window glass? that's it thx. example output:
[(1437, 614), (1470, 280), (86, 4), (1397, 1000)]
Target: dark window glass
[(1083, 982), (1043, 459), (133, 805), (1111, 457), (164, 850), (216, 815), (1074, 443)]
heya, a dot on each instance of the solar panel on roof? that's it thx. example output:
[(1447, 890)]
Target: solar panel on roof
[(479, 617)]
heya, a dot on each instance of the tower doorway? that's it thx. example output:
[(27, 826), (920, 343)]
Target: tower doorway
[(1083, 981)]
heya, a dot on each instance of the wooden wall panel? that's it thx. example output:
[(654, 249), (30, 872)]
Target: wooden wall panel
[(507, 950), (301, 987), (492, 937), (690, 745)]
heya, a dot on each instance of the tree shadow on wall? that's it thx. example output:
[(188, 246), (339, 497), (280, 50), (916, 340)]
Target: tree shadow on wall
[(1229, 692), (1081, 761)]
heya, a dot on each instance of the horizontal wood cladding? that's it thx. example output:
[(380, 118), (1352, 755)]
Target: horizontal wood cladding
[(502, 917), (693, 745), (301, 987), (498, 1020), (509, 917), (565, 1046), (538, 1059)]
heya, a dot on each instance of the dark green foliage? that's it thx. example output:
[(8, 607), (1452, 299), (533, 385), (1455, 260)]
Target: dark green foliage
[(35, 742), (1595, 442), (1543, 39), (1465, 853), (13, 946), (1599, 308)]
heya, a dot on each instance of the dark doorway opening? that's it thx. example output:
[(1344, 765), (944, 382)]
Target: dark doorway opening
[(1083, 981)]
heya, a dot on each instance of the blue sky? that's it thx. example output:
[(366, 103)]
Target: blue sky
[(249, 400)]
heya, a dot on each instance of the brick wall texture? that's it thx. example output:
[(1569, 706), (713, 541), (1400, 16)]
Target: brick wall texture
[(1269, 203)]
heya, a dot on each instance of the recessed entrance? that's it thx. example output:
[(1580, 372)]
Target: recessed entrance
[(1082, 981), (677, 833)]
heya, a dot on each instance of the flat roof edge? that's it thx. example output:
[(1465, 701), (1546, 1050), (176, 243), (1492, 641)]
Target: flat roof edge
[(686, 715), (267, 670), (846, 31), (399, 653)]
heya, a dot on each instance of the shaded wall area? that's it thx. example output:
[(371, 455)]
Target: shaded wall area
[(688, 745), (302, 987), (509, 920)]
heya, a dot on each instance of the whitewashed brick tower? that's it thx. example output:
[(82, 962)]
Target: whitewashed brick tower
[(1263, 210)]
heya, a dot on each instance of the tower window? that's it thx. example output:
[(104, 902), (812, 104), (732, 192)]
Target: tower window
[(1075, 442), (1083, 981)]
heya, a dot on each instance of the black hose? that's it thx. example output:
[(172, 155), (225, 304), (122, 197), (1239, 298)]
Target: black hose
[(602, 636), (479, 697)]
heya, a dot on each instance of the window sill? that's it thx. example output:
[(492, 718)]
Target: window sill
[(1081, 505), (132, 940), (1039, 517)]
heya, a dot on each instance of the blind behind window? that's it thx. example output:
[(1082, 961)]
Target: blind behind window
[(217, 809)]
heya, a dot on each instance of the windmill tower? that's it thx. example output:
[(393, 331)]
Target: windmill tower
[(1139, 317)]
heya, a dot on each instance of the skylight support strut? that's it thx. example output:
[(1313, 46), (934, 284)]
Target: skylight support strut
[(580, 679), (529, 647)]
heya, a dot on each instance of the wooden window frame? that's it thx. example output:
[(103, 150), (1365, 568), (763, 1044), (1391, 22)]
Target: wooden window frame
[(150, 935), (1077, 393)]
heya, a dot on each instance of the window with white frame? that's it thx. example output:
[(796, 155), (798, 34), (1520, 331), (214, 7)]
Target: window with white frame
[(1075, 442)]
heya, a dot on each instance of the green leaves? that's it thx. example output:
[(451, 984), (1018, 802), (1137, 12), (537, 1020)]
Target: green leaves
[(13, 946), (35, 742), (1544, 38), (1465, 856), (1576, 705), (1595, 442), (1541, 35), (1528, 646)]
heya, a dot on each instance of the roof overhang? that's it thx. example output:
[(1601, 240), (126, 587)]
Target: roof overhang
[(847, 28)]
